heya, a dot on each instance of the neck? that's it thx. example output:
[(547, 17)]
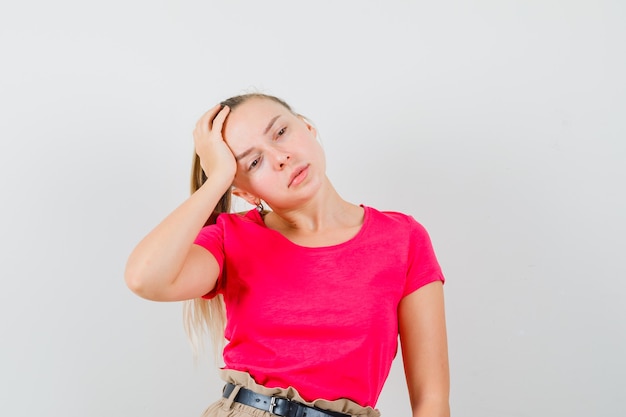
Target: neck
[(328, 210)]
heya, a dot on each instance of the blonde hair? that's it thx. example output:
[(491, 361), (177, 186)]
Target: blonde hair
[(201, 315)]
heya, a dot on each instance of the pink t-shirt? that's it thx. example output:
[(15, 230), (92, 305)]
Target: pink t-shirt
[(322, 320)]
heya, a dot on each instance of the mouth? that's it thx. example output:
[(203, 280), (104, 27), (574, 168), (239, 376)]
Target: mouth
[(298, 176)]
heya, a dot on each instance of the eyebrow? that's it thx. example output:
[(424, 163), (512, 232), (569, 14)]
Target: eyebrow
[(267, 129), (243, 154), (269, 125)]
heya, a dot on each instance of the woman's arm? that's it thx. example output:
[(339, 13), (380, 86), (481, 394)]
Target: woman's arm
[(166, 265), (422, 327)]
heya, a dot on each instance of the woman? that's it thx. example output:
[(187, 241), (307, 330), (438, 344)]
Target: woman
[(316, 290)]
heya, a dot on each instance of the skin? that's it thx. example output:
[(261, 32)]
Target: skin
[(269, 154), (423, 339), (311, 212)]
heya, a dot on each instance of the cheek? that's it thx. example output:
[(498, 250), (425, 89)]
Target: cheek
[(260, 181), (244, 179), (253, 183)]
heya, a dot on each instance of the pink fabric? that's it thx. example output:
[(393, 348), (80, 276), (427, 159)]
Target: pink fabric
[(322, 320)]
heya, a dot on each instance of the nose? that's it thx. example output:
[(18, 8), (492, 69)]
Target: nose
[(282, 159)]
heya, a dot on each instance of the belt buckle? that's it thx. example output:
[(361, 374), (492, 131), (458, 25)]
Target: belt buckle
[(272, 405)]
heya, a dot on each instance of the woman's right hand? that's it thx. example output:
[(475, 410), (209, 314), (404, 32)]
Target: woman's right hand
[(216, 158)]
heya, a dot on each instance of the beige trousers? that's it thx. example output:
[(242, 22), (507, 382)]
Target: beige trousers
[(226, 407)]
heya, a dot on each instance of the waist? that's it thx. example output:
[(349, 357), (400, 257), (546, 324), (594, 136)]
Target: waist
[(279, 406)]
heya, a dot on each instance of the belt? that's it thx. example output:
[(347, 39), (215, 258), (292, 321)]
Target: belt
[(275, 405)]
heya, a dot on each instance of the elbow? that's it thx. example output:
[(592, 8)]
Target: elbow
[(432, 405), (432, 409), (147, 284), (137, 281)]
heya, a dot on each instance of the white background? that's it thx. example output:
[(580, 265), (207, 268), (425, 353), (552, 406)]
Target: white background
[(499, 125)]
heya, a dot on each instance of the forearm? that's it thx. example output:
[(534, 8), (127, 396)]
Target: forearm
[(158, 259)]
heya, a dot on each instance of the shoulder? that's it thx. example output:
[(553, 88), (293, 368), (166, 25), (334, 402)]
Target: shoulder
[(398, 229), (240, 218), (230, 221), (394, 220)]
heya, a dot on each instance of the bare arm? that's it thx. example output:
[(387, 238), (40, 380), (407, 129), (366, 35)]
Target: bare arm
[(425, 350), (166, 265)]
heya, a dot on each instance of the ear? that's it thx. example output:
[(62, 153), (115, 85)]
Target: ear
[(250, 198), (309, 125)]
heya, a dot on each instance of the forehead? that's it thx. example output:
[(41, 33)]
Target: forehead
[(250, 119)]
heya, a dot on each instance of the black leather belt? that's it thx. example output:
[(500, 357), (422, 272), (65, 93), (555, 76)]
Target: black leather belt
[(276, 405)]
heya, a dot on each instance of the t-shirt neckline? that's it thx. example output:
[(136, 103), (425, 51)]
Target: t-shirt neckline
[(366, 218)]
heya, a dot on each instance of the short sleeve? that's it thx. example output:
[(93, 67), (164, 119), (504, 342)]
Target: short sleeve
[(212, 239), (422, 267)]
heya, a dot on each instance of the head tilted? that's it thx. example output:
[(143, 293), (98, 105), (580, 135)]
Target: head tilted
[(197, 174)]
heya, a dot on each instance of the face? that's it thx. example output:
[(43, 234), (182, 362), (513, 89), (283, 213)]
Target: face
[(279, 159)]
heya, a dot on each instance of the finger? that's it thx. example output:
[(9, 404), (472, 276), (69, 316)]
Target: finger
[(218, 122), (203, 122)]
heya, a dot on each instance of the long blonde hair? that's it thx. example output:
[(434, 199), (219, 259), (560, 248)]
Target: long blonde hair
[(201, 315)]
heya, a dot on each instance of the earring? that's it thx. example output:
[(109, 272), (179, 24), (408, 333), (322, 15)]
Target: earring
[(259, 207)]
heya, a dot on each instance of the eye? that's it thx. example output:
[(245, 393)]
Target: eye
[(254, 163), (281, 131)]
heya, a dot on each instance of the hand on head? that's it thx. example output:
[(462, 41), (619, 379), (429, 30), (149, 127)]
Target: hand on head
[(216, 158)]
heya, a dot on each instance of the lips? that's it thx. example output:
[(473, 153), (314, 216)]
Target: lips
[(298, 175)]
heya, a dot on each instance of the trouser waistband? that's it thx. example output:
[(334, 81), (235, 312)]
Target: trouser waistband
[(279, 406)]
